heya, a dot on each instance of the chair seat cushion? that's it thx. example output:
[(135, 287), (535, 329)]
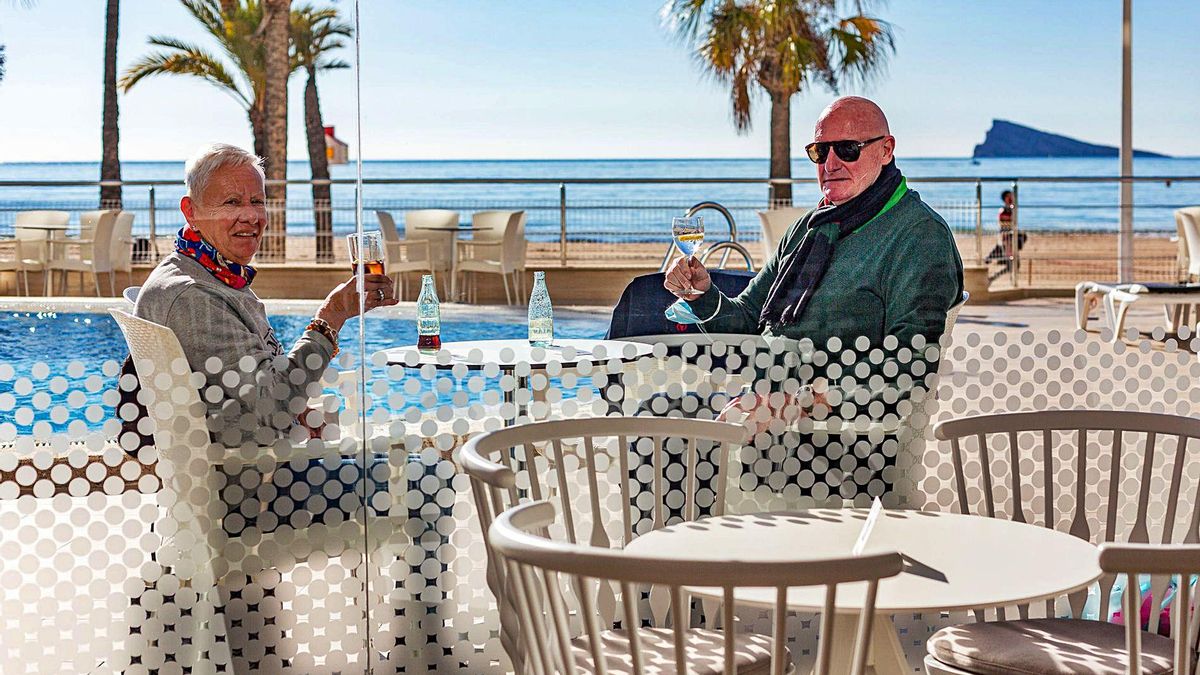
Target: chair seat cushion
[(706, 649), (1045, 647)]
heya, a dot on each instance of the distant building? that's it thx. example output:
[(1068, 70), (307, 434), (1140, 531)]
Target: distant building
[(336, 150)]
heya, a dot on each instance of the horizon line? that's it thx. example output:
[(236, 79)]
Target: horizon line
[(587, 159)]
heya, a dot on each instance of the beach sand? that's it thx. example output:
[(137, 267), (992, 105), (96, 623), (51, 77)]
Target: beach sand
[(1050, 260)]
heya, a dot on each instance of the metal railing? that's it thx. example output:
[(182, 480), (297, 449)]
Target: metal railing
[(1071, 222)]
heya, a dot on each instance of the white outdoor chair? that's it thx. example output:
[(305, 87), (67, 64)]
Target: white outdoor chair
[(92, 254), (775, 224), (171, 392), (555, 580), (494, 249), (121, 251), (584, 465), (1091, 473), (440, 242), (32, 250), (403, 255), (10, 261)]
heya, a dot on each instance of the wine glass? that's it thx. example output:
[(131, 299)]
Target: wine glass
[(688, 232)]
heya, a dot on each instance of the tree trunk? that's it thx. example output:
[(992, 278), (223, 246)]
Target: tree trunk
[(110, 162), (258, 129), (322, 206), (781, 148), (276, 14)]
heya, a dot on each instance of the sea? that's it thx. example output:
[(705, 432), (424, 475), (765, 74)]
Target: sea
[(640, 211)]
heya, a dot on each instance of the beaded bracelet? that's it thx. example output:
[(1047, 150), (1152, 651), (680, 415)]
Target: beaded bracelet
[(322, 326)]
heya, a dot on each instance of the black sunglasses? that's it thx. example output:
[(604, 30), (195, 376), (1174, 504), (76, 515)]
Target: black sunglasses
[(847, 151)]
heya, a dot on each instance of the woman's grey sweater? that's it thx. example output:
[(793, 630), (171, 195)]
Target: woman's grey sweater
[(253, 390)]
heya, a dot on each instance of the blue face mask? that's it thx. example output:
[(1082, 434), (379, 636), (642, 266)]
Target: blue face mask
[(681, 312)]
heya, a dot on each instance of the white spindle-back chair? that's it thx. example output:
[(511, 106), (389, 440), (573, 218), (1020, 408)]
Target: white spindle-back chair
[(1181, 562), (584, 466), (568, 632), (1101, 475)]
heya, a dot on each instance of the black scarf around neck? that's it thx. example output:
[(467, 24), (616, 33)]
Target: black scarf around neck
[(801, 272)]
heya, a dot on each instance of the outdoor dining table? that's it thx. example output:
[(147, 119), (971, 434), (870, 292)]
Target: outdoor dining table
[(951, 562), (451, 228), (512, 357)]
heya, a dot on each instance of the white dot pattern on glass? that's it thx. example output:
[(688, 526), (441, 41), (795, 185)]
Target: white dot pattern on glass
[(188, 553)]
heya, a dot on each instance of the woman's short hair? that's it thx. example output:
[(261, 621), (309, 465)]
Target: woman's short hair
[(201, 167), (1006, 194)]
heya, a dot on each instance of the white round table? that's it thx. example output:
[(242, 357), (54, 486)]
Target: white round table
[(512, 357), (952, 562)]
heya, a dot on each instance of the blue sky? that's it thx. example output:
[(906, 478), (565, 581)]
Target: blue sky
[(459, 79)]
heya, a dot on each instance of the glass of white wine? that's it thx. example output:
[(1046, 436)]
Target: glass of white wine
[(688, 232)]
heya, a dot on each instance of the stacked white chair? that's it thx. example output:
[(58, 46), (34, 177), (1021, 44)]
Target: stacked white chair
[(440, 242)]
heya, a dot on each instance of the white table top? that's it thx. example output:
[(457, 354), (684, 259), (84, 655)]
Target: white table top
[(508, 354), (952, 561), (49, 227), (448, 228)]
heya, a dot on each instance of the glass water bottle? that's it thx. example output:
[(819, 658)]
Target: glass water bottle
[(541, 313), (429, 317)]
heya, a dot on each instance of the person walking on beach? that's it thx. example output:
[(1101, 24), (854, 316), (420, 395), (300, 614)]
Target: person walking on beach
[(1003, 252)]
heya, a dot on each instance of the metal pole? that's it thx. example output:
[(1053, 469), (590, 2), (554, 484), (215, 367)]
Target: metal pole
[(1125, 237), (562, 224), (153, 234), (1015, 241), (978, 222)]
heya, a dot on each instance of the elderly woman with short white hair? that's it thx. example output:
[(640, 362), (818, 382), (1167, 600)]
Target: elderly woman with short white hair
[(255, 391)]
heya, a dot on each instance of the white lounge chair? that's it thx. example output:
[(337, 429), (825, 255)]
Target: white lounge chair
[(1116, 299)]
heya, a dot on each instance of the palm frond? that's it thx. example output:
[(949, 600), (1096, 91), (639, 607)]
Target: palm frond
[(860, 46), (195, 63)]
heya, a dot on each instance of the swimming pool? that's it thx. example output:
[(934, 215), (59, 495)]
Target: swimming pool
[(59, 368)]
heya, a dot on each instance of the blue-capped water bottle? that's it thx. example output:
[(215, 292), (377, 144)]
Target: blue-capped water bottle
[(541, 313)]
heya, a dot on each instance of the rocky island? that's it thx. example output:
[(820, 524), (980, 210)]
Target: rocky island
[(1008, 139)]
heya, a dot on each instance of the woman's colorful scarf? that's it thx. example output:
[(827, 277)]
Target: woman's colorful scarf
[(801, 272), (190, 243)]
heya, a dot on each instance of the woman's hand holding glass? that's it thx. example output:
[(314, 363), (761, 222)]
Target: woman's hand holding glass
[(342, 301)]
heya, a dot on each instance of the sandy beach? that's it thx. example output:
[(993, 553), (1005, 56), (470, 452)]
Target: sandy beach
[(1048, 260)]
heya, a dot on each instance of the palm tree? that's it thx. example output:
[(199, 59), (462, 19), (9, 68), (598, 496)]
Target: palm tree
[(234, 26), (1, 63), (274, 32), (315, 33), (780, 47), (110, 162)]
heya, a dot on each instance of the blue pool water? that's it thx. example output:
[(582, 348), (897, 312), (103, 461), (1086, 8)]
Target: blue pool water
[(37, 351)]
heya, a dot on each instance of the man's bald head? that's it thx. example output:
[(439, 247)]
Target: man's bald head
[(856, 119), (862, 114)]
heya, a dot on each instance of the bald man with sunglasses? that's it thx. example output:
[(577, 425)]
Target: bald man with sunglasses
[(870, 260)]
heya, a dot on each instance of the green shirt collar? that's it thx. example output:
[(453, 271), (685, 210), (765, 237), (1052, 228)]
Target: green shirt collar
[(901, 190)]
